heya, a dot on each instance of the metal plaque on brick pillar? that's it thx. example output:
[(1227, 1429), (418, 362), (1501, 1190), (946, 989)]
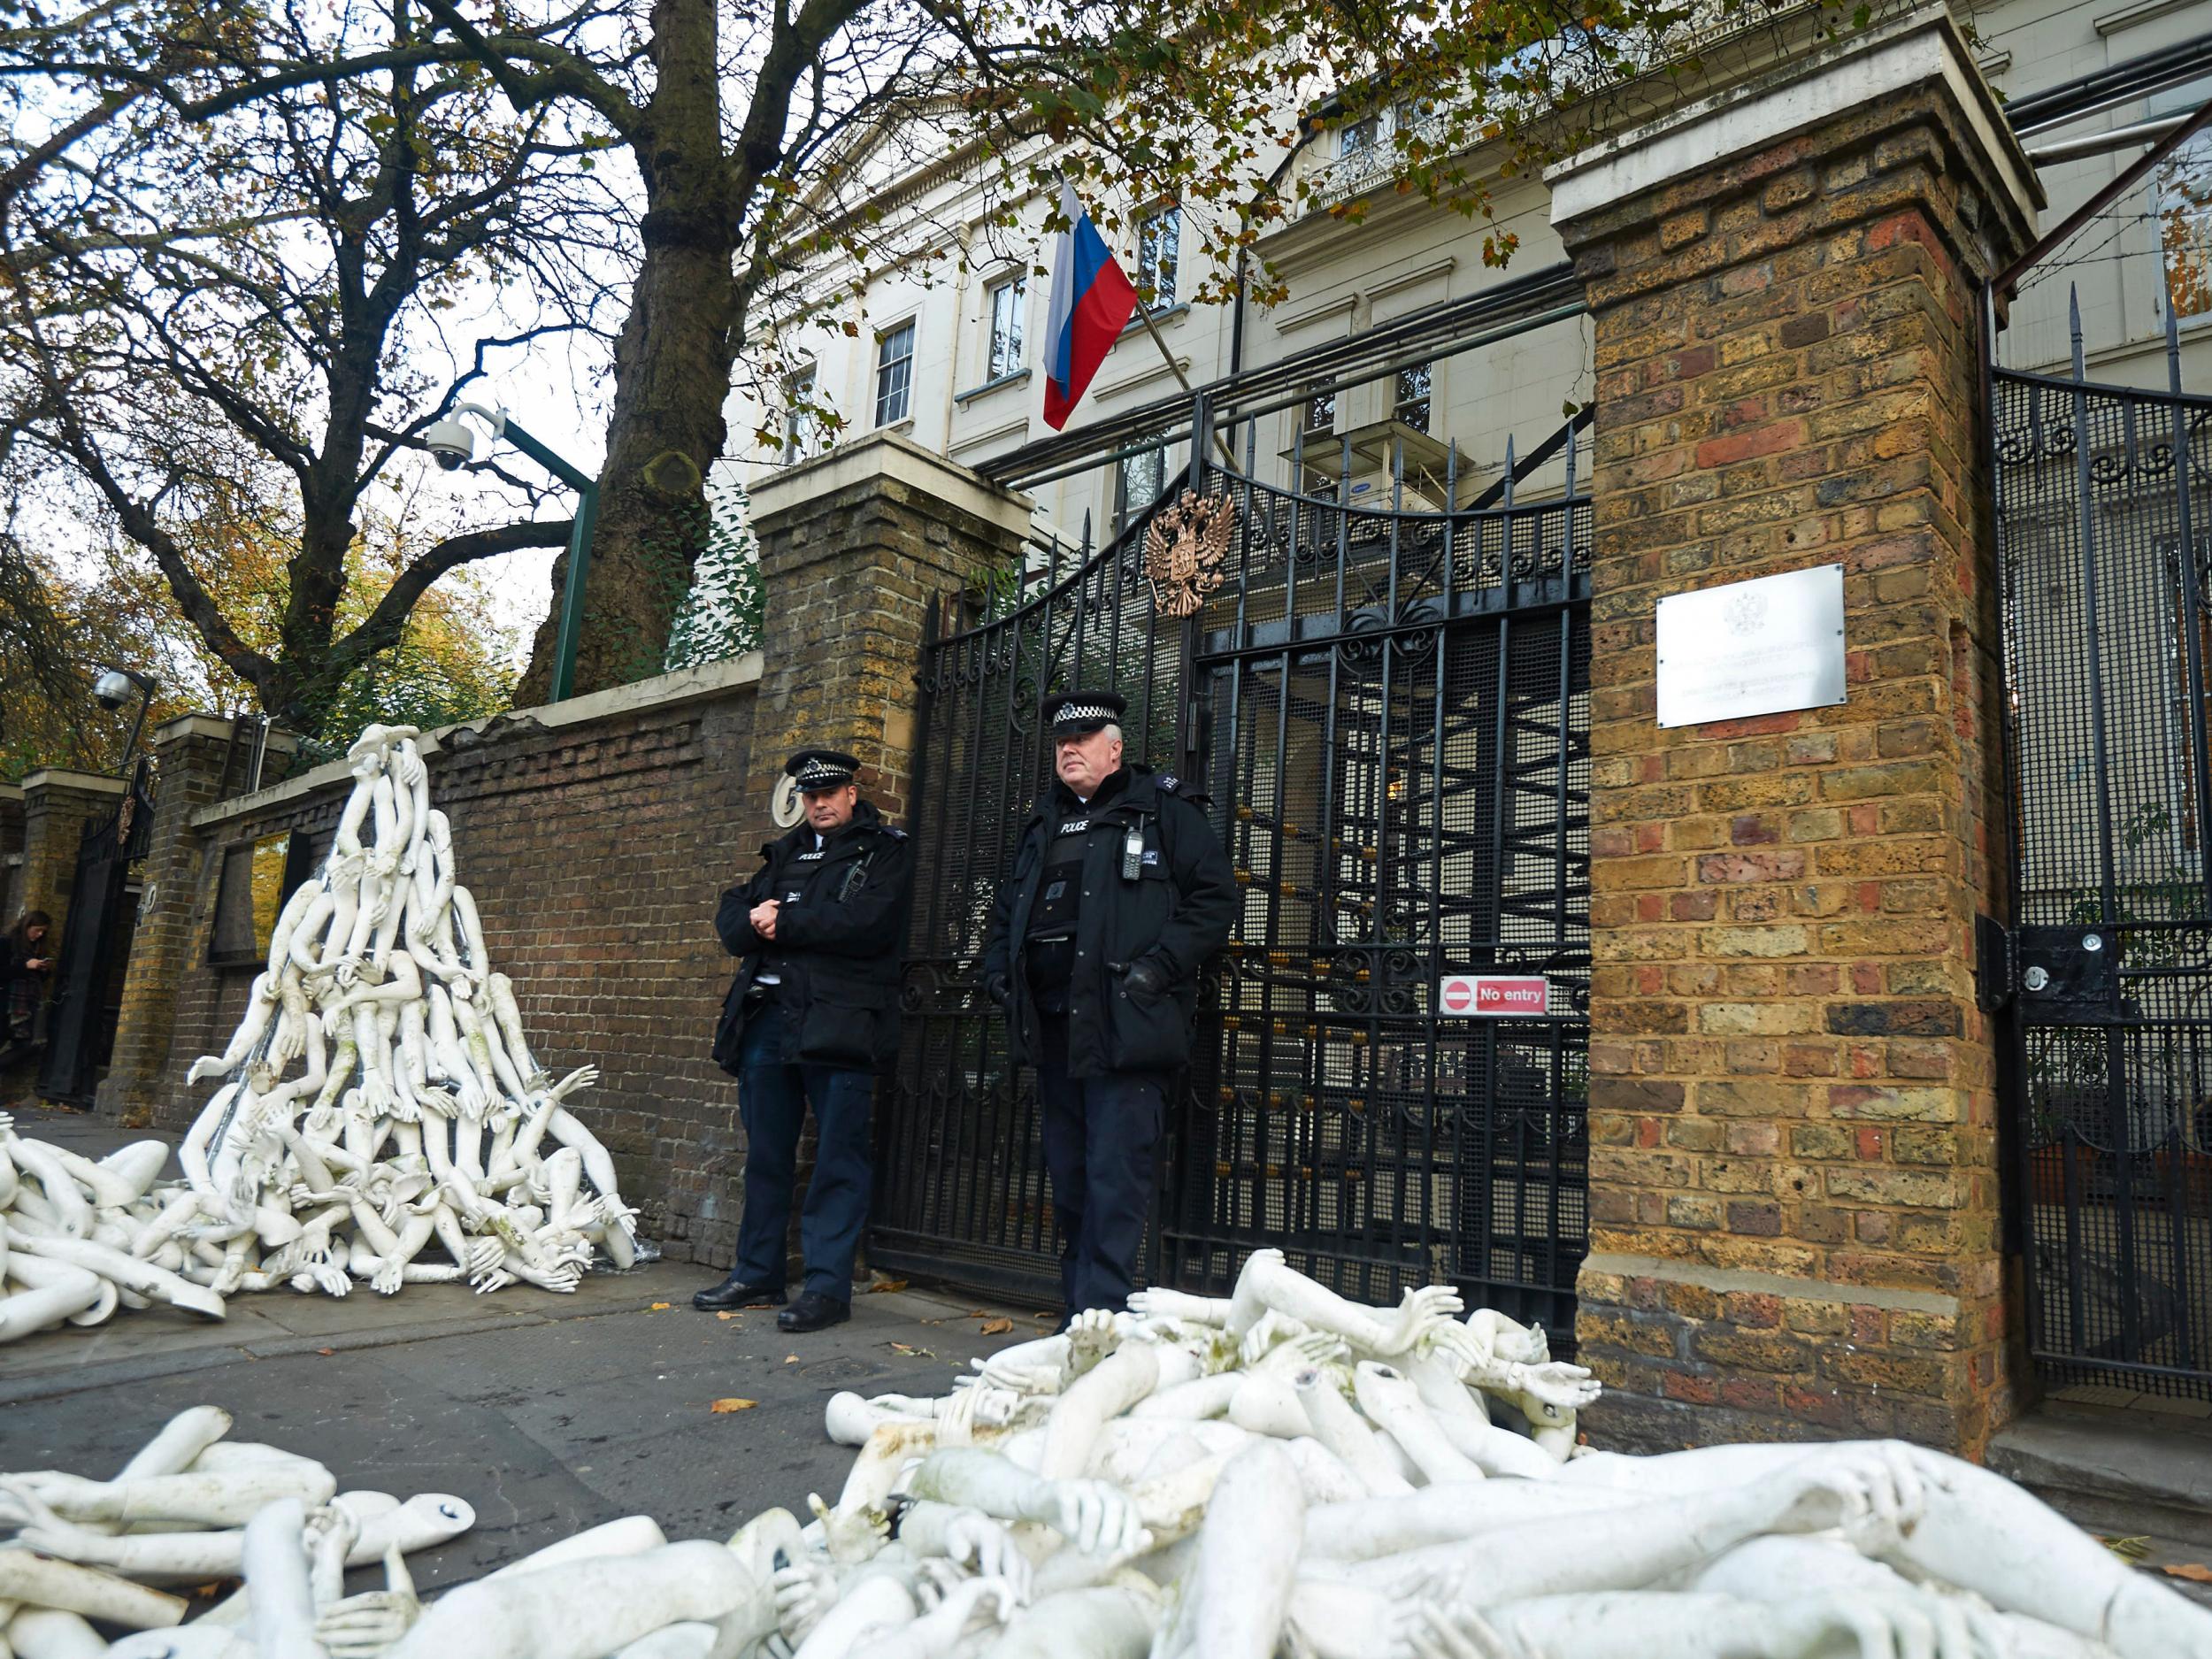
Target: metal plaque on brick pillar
[(1762, 647)]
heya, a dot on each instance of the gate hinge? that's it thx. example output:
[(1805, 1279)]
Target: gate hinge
[(1994, 951)]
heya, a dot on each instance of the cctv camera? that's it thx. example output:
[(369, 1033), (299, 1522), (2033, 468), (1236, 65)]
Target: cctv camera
[(451, 442), (112, 689)]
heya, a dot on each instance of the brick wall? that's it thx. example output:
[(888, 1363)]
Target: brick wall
[(56, 806), (1794, 1186), (190, 757), (596, 848)]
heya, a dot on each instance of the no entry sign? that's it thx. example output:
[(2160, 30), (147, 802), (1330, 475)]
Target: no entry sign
[(1494, 996)]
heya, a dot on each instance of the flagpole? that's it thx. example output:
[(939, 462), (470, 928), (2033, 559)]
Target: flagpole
[(1144, 315)]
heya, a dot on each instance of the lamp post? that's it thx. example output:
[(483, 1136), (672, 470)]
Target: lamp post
[(112, 688), (452, 443)]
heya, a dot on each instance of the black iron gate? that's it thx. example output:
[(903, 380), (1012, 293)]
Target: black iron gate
[(2102, 493), (1388, 706), (96, 948)]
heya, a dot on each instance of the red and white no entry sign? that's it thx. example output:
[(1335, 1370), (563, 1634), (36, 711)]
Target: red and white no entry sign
[(1495, 995)]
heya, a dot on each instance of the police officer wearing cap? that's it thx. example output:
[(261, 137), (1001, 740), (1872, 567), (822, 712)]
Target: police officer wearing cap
[(1120, 892), (812, 1013)]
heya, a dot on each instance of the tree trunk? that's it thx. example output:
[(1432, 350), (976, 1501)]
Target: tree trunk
[(671, 377)]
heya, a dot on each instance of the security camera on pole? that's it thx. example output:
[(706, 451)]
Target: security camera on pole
[(451, 442), (112, 688)]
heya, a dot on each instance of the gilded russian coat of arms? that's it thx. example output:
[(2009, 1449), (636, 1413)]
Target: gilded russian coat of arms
[(1185, 549)]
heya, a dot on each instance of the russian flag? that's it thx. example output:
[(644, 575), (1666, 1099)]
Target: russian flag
[(1092, 298)]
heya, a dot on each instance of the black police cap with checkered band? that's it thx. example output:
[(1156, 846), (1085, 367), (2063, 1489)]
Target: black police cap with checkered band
[(820, 768), (1077, 713)]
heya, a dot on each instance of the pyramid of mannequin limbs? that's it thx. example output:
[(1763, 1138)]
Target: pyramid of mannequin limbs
[(379, 1097)]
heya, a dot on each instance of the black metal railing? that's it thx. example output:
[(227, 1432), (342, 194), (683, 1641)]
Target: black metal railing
[(2101, 496), (1386, 701)]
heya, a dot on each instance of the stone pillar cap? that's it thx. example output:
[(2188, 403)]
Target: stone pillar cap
[(890, 455), (1861, 68), (64, 777), (182, 726)]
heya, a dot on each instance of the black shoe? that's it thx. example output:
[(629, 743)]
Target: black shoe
[(814, 1312), (735, 1293)]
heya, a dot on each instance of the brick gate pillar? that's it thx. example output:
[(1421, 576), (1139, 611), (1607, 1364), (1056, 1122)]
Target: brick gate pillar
[(853, 546), (1793, 1163), (191, 754), (57, 803)]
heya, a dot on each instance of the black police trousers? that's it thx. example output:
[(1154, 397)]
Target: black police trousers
[(772, 1099), (1101, 1137)]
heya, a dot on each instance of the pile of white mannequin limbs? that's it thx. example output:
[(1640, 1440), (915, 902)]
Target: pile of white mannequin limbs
[(1279, 1472), (416, 1114)]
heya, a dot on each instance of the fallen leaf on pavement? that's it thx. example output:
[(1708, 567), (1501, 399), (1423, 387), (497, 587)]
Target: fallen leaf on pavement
[(326, 1352), (2128, 1548), (887, 1284), (726, 1315), (732, 1404), (2196, 1572), (997, 1328), (656, 1307), (901, 1348), (791, 1359)]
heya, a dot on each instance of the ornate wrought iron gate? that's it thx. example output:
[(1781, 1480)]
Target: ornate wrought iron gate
[(1388, 710), (2102, 496), (96, 948)]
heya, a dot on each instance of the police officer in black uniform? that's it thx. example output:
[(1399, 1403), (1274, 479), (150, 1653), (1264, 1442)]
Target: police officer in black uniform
[(1120, 892), (813, 1012)]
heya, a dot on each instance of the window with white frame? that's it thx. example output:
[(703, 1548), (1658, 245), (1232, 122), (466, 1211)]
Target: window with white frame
[(1370, 130), (894, 374), (1411, 403), (1138, 482), (1009, 299), (1159, 238), (803, 433)]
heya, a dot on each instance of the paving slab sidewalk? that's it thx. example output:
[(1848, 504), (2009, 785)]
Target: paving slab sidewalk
[(548, 1413)]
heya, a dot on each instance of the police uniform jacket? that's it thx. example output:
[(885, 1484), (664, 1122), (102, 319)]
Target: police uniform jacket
[(835, 946), (1176, 912)]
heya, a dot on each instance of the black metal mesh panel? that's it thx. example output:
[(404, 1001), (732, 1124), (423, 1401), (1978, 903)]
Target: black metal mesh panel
[(1402, 804), (1388, 712), (2101, 497)]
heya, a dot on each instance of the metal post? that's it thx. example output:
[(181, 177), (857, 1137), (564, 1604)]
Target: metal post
[(579, 552), (573, 593)]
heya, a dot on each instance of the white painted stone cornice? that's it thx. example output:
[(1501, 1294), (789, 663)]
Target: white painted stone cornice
[(1342, 306)]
